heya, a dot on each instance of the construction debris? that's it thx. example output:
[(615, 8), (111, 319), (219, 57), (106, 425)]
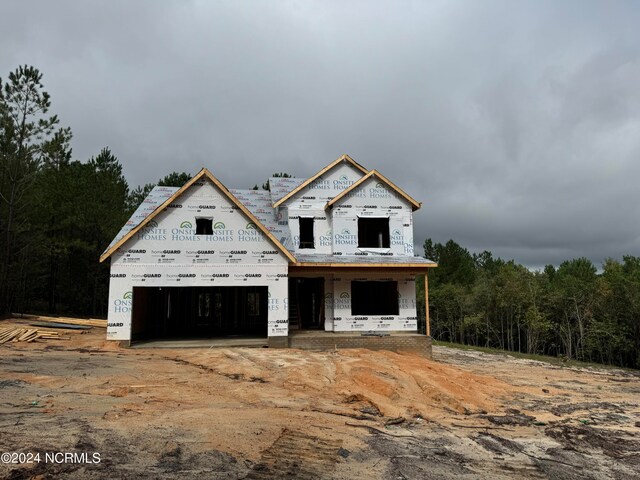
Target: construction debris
[(16, 334), (89, 322), (68, 326)]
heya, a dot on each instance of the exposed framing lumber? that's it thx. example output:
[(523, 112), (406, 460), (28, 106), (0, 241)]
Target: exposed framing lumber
[(413, 266), (72, 321), (426, 304), (374, 173), (15, 334), (204, 173), (343, 158)]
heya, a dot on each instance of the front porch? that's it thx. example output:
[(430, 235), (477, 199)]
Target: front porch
[(355, 300)]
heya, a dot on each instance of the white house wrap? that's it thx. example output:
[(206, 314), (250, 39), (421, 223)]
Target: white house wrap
[(333, 252)]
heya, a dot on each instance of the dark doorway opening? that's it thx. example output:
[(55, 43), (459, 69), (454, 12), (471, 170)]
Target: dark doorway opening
[(306, 305), (198, 312)]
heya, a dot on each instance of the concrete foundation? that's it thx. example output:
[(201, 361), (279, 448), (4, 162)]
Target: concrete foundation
[(396, 342), (278, 342), (306, 340), (228, 342)]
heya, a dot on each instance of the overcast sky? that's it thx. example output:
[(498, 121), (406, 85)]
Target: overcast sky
[(517, 123)]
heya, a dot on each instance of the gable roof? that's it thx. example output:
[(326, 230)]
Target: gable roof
[(159, 208), (343, 158), (374, 173)]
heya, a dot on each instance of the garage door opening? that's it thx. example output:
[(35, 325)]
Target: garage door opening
[(198, 312)]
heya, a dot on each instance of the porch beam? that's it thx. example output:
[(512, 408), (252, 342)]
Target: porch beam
[(297, 270)]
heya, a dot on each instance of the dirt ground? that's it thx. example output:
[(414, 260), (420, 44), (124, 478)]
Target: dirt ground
[(348, 414)]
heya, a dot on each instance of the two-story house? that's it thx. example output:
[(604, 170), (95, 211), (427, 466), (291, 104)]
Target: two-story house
[(321, 262)]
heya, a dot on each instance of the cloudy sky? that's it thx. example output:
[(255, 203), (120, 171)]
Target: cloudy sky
[(517, 123)]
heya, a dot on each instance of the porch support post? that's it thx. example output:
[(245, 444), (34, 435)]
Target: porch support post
[(426, 304)]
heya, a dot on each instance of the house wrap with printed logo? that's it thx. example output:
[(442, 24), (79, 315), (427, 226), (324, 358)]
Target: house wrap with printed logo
[(331, 253)]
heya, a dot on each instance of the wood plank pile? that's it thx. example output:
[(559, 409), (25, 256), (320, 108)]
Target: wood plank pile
[(17, 334), (89, 322)]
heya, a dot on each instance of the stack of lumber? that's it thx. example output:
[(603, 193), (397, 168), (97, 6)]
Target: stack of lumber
[(17, 334), (88, 322)]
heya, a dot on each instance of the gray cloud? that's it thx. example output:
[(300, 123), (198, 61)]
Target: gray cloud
[(516, 123)]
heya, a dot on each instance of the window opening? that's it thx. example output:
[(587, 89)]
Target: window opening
[(306, 233), (373, 232), (374, 298)]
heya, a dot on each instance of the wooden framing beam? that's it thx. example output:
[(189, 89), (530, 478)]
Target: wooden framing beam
[(426, 304), (414, 266), (296, 269)]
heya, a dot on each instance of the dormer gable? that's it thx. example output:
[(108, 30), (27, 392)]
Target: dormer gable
[(323, 180), (373, 185)]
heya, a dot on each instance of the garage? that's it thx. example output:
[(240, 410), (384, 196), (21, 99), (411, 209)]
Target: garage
[(198, 312)]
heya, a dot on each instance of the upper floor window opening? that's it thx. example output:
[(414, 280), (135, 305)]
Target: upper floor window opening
[(204, 226), (373, 232), (306, 233)]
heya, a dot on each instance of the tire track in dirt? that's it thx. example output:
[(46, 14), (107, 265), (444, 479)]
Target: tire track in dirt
[(297, 455)]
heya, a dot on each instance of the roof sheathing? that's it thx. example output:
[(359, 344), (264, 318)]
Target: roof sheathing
[(343, 158), (258, 202), (281, 186), (225, 191)]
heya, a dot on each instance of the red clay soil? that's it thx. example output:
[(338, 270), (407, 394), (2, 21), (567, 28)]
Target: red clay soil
[(268, 413)]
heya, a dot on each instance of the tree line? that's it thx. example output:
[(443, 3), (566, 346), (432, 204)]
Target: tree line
[(57, 214), (573, 310)]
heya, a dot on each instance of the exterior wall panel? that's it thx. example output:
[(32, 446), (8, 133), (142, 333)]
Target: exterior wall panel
[(169, 253), (311, 201), (372, 200), (345, 321)]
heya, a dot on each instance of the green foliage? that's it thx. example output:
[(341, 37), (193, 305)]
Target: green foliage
[(571, 311), (78, 209), (456, 265), (28, 137), (174, 179)]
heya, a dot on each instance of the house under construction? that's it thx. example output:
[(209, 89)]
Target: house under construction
[(323, 262)]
